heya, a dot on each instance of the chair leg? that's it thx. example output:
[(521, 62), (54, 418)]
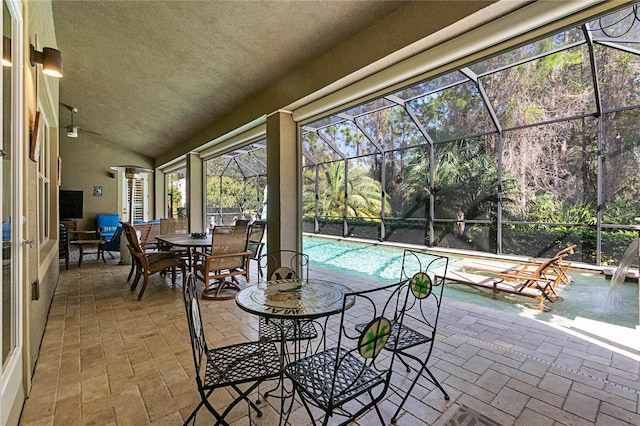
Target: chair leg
[(204, 400), (134, 284), (144, 285), (133, 265), (419, 373)]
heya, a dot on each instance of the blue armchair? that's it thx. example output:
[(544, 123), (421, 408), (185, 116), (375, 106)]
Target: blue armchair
[(110, 245), (107, 225)]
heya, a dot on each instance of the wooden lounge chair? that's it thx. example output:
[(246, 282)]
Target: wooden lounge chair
[(562, 266), (556, 270), (538, 284)]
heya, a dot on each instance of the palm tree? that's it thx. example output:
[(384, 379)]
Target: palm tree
[(363, 192)]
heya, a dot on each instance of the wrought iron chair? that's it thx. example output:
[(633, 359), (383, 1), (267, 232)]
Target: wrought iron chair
[(227, 366), (228, 258), (421, 318), (148, 263), (285, 265), (349, 379)]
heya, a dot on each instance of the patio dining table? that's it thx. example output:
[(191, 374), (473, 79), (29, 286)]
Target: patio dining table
[(187, 241)]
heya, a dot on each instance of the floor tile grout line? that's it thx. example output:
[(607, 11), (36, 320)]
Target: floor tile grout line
[(549, 363)]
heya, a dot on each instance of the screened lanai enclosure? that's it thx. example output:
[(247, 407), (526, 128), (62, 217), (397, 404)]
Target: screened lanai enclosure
[(524, 153), (235, 185)]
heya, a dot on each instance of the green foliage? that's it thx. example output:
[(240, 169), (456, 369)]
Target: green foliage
[(545, 207), (621, 211), (231, 194), (364, 193)]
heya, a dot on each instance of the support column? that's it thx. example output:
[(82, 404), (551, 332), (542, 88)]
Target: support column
[(195, 192), (160, 204), (284, 216)]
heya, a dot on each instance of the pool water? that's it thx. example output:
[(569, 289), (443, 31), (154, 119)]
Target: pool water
[(587, 296)]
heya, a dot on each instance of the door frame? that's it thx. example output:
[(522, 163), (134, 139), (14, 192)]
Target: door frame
[(12, 381)]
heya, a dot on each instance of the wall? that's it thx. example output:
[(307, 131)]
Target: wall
[(40, 262), (86, 162)]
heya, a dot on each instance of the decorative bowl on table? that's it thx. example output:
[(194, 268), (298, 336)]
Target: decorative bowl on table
[(199, 235)]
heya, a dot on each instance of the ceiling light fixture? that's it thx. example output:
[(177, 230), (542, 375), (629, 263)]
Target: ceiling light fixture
[(72, 132), (50, 58)]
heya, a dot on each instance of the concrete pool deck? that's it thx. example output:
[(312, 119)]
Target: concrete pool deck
[(108, 359)]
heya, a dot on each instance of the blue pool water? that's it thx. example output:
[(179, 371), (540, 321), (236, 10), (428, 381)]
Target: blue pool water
[(587, 296)]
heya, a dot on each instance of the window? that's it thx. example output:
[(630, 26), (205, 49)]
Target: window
[(176, 183), (44, 185)]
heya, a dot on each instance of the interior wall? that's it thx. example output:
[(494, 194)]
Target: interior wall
[(86, 163)]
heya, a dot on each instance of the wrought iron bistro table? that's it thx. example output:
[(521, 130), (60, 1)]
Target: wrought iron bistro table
[(295, 301)]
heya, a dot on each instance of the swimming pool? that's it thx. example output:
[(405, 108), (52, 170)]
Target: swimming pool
[(587, 296)]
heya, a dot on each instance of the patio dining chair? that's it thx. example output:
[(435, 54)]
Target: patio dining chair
[(177, 225), (350, 378), (227, 259), (148, 263), (256, 241), (226, 366), (418, 332)]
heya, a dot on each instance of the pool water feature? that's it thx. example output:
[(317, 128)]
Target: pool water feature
[(585, 297)]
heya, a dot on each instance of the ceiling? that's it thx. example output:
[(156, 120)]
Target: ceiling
[(150, 75)]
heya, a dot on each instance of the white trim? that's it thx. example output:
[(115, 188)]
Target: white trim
[(451, 46), (177, 164), (13, 371), (233, 140)]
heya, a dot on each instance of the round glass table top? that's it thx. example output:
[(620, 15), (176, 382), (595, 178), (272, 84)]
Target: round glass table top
[(295, 299)]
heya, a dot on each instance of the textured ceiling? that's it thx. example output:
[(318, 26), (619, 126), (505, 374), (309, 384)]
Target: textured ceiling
[(148, 75)]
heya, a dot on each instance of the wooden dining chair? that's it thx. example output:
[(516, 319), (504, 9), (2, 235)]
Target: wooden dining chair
[(227, 259), (256, 241), (148, 263), (177, 225)]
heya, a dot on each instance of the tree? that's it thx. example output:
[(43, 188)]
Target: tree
[(363, 201)]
